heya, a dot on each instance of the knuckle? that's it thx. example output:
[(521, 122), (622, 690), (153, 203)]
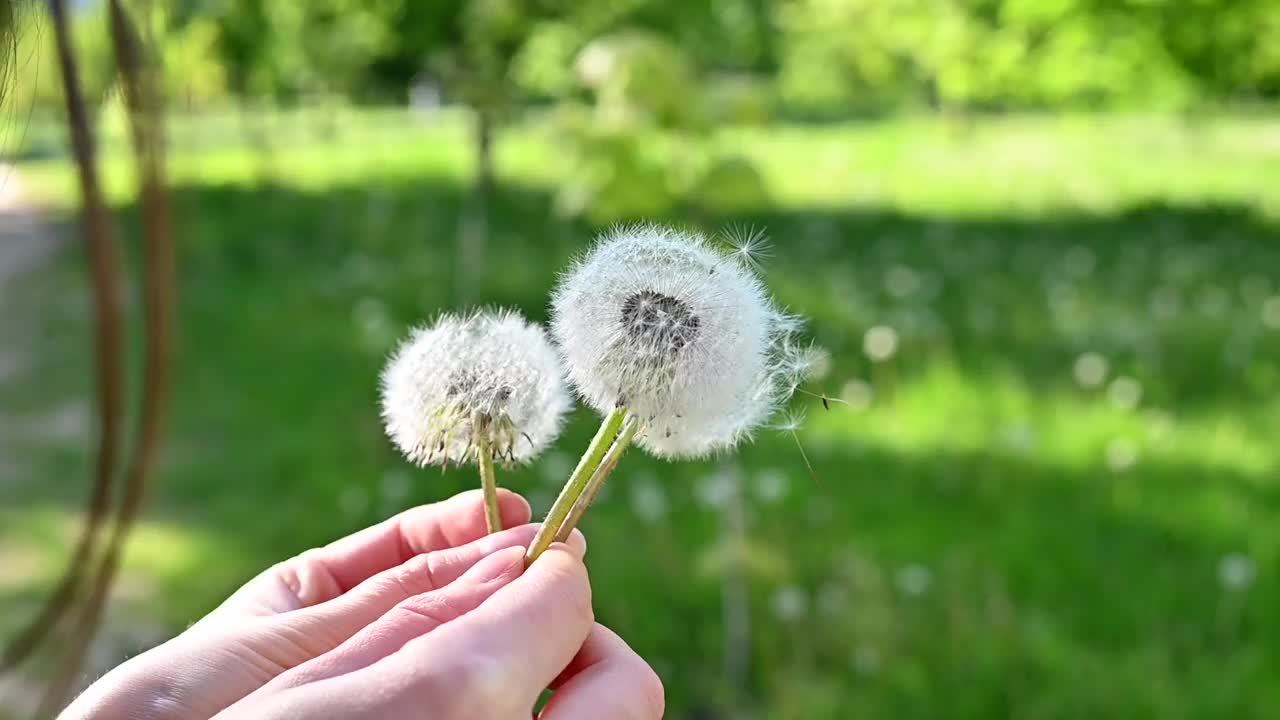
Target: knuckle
[(653, 694), (414, 576), (430, 610), (306, 579)]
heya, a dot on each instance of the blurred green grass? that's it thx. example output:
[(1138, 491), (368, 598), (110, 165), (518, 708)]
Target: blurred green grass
[(988, 536)]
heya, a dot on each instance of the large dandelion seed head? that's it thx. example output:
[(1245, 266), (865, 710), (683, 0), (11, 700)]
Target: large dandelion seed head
[(681, 332), (467, 378)]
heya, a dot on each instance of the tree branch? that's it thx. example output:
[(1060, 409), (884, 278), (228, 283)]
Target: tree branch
[(143, 102), (105, 274)]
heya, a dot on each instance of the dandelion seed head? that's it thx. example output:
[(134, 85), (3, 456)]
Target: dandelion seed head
[(489, 375), (880, 343), (680, 331), (1090, 370), (1236, 571)]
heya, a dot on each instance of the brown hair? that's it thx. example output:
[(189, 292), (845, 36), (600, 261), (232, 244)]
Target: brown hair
[(8, 44)]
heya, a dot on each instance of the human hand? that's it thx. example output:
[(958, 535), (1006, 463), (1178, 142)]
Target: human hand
[(419, 616)]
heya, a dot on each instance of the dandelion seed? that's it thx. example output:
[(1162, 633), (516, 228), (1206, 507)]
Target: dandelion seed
[(750, 246), (792, 423), (808, 363)]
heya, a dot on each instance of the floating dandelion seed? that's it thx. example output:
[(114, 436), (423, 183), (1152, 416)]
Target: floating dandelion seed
[(677, 343), (477, 388), (750, 246)]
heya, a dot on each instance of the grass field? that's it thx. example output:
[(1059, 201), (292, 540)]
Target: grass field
[(1058, 498)]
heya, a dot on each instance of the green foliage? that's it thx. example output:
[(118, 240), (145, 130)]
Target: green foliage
[(637, 149), (818, 57), (988, 536), (875, 54)]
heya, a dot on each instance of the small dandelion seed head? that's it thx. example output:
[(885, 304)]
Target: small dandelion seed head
[(750, 246), (681, 332), (488, 376)]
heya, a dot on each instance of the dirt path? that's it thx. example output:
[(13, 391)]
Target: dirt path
[(25, 245)]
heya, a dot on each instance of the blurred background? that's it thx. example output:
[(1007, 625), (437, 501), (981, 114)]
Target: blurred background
[(1039, 241)]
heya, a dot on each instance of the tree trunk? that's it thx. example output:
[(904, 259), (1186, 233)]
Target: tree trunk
[(473, 233)]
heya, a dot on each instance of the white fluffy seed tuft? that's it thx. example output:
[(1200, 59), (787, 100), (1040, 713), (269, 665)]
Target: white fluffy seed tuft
[(681, 332), (490, 375)]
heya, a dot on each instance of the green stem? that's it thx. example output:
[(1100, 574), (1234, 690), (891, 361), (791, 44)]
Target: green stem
[(560, 509), (488, 483), (611, 458)]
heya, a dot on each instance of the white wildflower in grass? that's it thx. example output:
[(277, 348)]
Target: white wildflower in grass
[(677, 342), (481, 387)]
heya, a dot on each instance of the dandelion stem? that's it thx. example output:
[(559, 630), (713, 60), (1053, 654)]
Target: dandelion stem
[(561, 508), (489, 483), (628, 433)]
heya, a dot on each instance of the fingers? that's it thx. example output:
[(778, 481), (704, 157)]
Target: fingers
[(310, 632), (420, 574), (607, 679), (325, 573), (503, 654), (413, 617), (484, 646)]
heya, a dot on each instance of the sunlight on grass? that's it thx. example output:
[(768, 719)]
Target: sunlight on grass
[(1010, 166), (942, 408)]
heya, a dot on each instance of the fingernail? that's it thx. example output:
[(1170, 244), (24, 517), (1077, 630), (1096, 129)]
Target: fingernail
[(578, 540), (576, 549)]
